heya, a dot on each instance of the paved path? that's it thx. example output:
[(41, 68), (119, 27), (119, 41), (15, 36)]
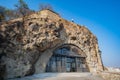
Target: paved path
[(61, 76)]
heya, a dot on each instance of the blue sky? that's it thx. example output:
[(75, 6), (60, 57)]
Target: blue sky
[(102, 17)]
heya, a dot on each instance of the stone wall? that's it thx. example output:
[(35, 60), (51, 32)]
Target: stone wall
[(27, 44)]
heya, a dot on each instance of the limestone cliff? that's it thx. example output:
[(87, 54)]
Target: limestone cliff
[(26, 43)]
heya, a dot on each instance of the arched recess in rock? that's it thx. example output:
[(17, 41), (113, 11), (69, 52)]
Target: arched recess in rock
[(64, 58)]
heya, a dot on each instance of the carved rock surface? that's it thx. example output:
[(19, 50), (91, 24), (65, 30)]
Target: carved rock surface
[(25, 43)]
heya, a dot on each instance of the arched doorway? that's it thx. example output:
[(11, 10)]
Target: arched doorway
[(67, 58)]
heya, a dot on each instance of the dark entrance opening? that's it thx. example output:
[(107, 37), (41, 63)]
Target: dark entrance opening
[(70, 64), (67, 59)]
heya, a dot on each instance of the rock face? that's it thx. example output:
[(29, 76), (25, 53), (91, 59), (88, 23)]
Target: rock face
[(110, 75), (26, 44)]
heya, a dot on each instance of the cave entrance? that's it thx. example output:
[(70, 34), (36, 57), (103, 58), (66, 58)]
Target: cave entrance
[(67, 58)]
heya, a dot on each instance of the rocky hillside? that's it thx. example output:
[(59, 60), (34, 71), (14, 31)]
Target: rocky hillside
[(24, 40)]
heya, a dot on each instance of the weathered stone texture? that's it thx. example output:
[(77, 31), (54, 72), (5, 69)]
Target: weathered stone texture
[(23, 43), (110, 75)]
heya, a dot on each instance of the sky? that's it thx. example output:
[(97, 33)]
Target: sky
[(101, 17)]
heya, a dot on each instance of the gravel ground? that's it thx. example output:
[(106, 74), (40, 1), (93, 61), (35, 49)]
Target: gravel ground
[(61, 76)]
